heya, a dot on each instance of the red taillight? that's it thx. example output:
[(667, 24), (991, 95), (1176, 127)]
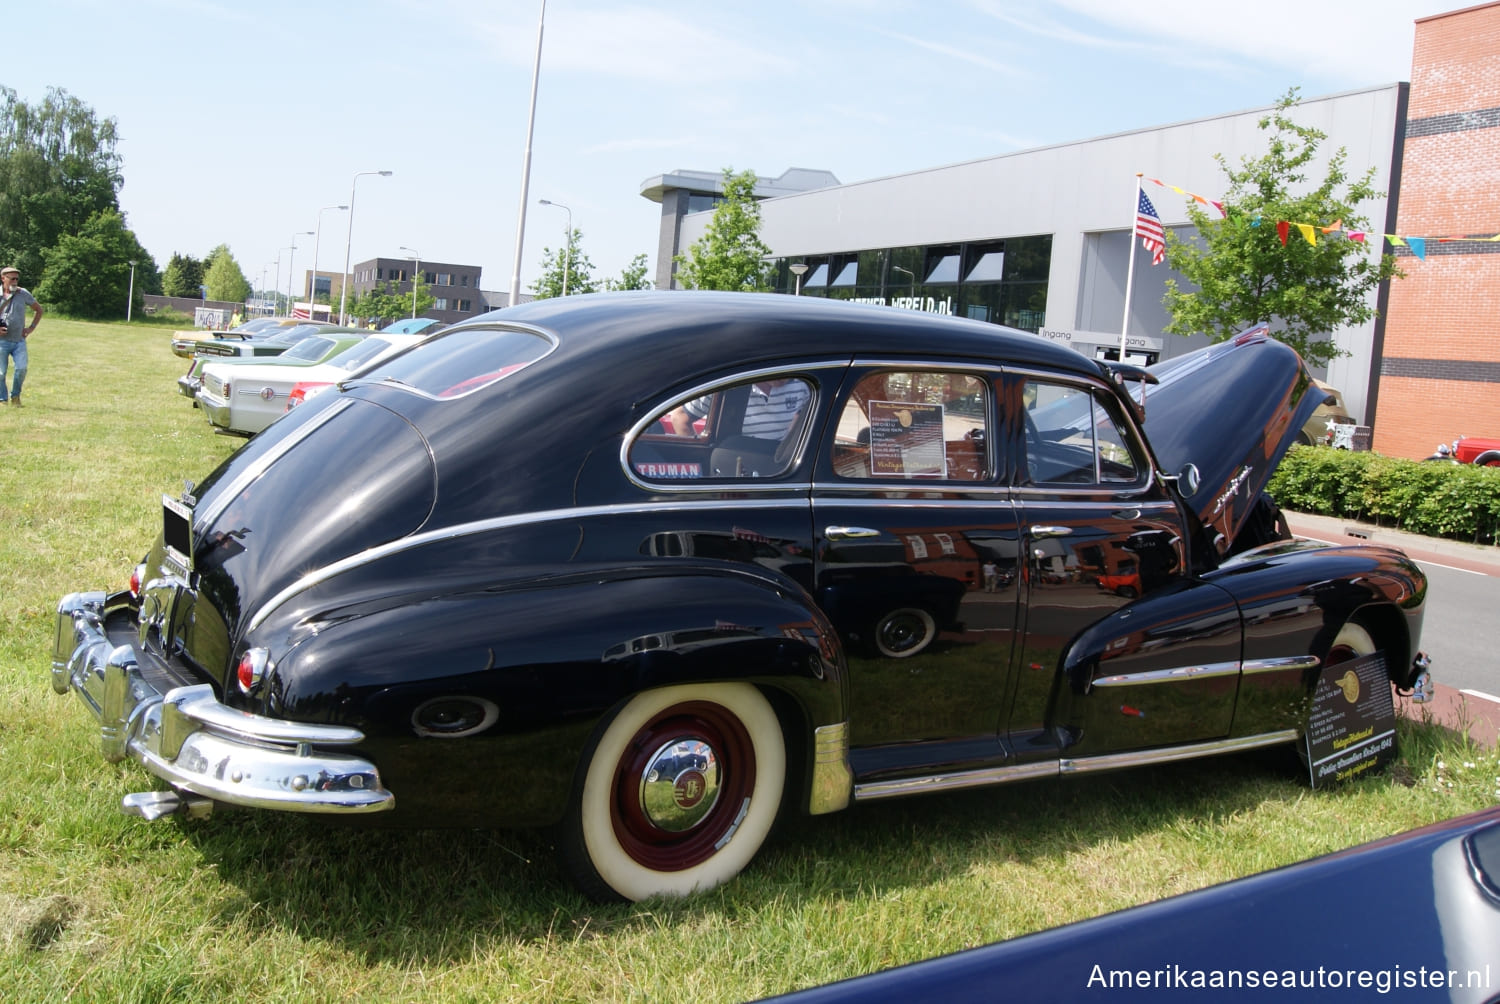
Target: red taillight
[(304, 389), (252, 668), (137, 575)]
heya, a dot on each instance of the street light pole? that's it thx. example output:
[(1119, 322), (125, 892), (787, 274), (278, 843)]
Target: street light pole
[(130, 296), (799, 270), (349, 239), (536, 73), (416, 268), (290, 259), (567, 241), (312, 287)]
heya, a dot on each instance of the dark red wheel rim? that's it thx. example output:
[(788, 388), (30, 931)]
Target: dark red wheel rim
[(663, 850)]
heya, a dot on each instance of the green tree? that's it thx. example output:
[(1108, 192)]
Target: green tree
[(223, 277), (1243, 273), (183, 276), (633, 276), (58, 168), (730, 254), (576, 264), (88, 274)]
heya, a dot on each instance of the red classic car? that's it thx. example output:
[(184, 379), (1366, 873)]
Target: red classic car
[(1470, 450)]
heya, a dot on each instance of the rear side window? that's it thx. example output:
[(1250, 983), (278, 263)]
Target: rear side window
[(750, 429), (914, 424), (462, 361)]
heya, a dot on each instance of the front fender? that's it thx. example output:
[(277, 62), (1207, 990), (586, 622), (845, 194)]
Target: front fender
[(477, 703)]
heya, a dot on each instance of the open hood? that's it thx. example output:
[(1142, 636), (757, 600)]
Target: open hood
[(1232, 410)]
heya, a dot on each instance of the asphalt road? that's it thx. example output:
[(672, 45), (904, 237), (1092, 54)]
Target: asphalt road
[(1461, 631)]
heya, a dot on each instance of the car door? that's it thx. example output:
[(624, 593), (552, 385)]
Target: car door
[(916, 566), (1122, 648)]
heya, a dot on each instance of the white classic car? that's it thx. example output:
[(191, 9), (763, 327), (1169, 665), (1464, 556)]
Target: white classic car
[(246, 397)]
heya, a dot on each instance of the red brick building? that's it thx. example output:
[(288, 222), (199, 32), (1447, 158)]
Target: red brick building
[(1440, 364)]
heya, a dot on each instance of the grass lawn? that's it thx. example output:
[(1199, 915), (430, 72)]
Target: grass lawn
[(265, 907)]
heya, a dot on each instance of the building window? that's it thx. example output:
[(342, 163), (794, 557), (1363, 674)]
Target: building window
[(439, 303), (442, 279), (463, 304), (463, 280)]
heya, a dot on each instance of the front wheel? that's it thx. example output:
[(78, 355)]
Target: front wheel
[(678, 792), (1353, 642)]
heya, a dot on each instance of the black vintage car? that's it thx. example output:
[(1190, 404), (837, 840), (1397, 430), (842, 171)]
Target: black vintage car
[(659, 567)]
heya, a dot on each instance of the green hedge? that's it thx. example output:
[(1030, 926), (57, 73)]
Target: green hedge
[(1435, 499)]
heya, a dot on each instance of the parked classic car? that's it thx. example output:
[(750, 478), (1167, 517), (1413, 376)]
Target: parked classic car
[(1483, 451), (184, 342), (1313, 931), (246, 395), (482, 584), (262, 344)]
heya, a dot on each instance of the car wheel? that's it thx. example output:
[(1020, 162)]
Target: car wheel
[(677, 793), (1490, 458), (1351, 643), (904, 632)]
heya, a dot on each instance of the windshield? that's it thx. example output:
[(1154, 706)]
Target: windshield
[(309, 349), (460, 361)]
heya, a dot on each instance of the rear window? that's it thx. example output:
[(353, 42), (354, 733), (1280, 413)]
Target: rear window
[(358, 354), (294, 334), (461, 361), (309, 349)]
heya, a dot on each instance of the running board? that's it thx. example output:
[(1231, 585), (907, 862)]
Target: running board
[(1051, 768)]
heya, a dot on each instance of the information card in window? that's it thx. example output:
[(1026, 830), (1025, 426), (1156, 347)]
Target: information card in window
[(906, 440)]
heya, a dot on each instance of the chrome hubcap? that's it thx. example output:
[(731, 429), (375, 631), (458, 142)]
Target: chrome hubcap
[(680, 784)]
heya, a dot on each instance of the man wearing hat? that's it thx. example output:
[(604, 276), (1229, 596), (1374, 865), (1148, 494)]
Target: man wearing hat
[(13, 329)]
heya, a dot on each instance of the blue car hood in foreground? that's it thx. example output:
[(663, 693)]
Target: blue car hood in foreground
[(1411, 917)]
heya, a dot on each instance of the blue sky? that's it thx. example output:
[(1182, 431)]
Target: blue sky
[(240, 121)]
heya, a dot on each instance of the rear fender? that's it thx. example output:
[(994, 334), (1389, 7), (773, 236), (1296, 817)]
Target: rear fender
[(456, 691)]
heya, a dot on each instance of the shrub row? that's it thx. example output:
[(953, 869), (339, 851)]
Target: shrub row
[(1459, 501)]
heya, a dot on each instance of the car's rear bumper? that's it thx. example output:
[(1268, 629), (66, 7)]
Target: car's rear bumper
[(215, 408), (186, 737)]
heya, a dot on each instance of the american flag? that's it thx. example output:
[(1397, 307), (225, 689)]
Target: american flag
[(1148, 229)]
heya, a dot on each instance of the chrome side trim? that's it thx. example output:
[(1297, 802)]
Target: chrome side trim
[(1254, 666), (832, 777), (1179, 674), (954, 782), (250, 474), (506, 522), (1141, 758)]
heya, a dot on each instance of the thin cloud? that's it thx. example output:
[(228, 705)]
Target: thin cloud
[(952, 52)]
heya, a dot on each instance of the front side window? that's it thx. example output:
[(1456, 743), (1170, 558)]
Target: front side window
[(1073, 438), (914, 424), (749, 429)]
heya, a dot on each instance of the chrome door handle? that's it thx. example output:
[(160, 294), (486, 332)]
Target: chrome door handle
[(849, 532), (1050, 531)]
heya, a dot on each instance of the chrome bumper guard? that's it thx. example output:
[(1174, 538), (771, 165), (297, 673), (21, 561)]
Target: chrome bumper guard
[(197, 745)]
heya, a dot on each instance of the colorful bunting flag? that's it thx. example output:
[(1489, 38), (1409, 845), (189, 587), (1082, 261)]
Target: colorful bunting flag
[(1309, 231)]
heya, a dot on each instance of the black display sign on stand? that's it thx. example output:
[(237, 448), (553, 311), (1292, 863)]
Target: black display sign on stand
[(1352, 728)]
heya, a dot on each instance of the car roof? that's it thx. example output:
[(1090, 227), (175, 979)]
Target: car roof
[(688, 333)]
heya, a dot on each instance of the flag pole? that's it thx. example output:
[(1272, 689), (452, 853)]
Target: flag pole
[(1130, 270)]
